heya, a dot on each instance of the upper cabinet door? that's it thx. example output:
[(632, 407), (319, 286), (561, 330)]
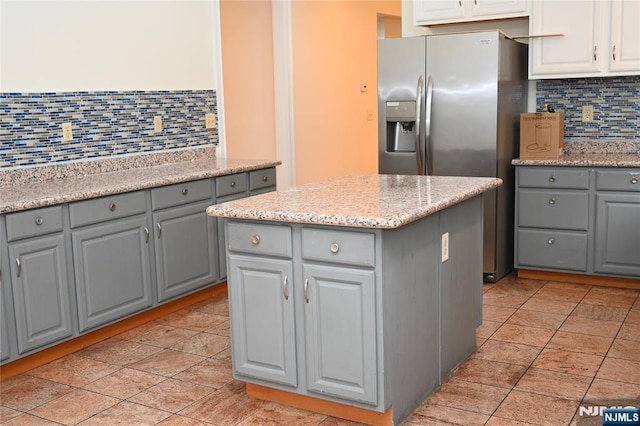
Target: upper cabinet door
[(431, 12), (576, 53), (438, 11), (625, 36), (483, 8)]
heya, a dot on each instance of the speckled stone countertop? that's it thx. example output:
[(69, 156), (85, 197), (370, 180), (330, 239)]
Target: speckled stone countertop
[(364, 201), (30, 187), (591, 154)]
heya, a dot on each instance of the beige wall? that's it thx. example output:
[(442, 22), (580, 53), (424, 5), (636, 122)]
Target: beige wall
[(334, 53), (247, 64)]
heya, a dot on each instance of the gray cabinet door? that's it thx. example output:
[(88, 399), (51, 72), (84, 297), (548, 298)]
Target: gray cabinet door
[(340, 332), (185, 249), (261, 303), (222, 236), (112, 270), (617, 235), (40, 286)]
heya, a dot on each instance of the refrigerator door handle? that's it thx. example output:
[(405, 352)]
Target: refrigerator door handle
[(427, 122), (419, 92)]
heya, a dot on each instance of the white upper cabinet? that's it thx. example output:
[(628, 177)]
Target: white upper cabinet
[(431, 12), (598, 38)]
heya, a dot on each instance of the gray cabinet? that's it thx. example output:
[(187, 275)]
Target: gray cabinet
[(617, 227), (111, 259), (184, 238), (5, 351), (262, 302), (578, 219), (39, 278)]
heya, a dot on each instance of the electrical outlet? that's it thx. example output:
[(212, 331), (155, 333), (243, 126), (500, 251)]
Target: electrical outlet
[(445, 247), (587, 113), (157, 124), (67, 132), (210, 120)]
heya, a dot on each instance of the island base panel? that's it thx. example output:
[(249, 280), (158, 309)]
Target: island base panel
[(329, 408)]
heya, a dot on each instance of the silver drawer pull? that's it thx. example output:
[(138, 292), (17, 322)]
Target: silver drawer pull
[(306, 291), (255, 240), (552, 178), (265, 178), (19, 265), (112, 207), (185, 191), (146, 235), (334, 248), (159, 226), (552, 200), (634, 180), (39, 220), (285, 288), (551, 241), (233, 184)]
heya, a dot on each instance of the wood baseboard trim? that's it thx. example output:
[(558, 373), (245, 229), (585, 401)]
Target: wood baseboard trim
[(65, 348), (321, 406), (580, 279)]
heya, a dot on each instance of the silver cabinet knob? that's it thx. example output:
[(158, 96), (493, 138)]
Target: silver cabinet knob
[(255, 240), (265, 178), (552, 178), (112, 207), (233, 184), (552, 200), (39, 220), (551, 241), (634, 180), (334, 248), (185, 191)]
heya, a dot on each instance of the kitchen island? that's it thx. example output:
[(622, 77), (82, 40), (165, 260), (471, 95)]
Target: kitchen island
[(355, 296)]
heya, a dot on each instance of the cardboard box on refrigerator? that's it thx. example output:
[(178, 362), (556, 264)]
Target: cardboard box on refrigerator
[(541, 135)]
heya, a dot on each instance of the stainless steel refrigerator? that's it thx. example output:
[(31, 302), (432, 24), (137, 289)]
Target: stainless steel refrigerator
[(450, 104)]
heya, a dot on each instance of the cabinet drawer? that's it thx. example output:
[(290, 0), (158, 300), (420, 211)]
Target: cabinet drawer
[(618, 180), (268, 240), (231, 184), (107, 208), (351, 248), (259, 179), (553, 209), (34, 222), (181, 193), (552, 249), (548, 177)]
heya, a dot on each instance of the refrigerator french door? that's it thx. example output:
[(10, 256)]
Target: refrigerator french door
[(450, 104)]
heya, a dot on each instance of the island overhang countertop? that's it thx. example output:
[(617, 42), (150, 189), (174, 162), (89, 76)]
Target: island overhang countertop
[(365, 201)]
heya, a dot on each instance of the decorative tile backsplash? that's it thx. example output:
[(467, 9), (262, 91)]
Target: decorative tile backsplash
[(615, 100), (103, 124)]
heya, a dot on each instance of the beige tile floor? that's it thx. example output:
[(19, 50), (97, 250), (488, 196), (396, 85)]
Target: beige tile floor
[(544, 349)]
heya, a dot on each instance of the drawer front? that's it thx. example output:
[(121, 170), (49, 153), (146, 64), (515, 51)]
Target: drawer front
[(618, 180), (107, 208), (181, 193), (351, 248), (267, 240), (552, 249), (548, 177), (259, 179), (231, 184), (34, 222), (552, 209)]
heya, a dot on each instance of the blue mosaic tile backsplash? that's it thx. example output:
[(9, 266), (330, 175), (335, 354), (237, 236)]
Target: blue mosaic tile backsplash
[(104, 124), (615, 100)]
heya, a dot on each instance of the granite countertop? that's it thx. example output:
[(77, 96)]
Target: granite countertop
[(32, 187), (365, 201), (589, 153)]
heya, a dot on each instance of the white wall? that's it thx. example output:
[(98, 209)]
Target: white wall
[(58, 45)]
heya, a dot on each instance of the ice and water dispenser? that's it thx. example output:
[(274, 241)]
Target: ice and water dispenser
[(401, 120)]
